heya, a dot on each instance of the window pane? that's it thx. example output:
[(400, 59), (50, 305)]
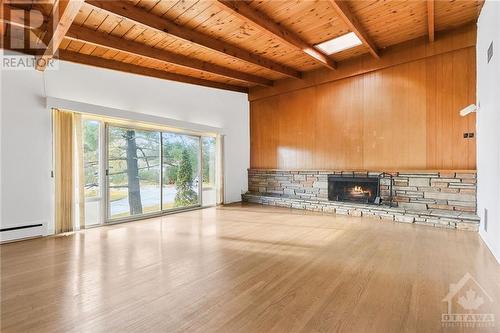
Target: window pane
[(180, 170), (91, 158), (134, 172), (92, 169), (209, 175), (92, 212)]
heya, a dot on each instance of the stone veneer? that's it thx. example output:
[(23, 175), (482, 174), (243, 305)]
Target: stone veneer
[(441, 199)]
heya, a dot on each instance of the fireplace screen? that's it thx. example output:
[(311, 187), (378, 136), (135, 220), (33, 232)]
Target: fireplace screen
[(352, 189)]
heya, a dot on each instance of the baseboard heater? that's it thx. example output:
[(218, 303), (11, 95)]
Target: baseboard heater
[(21, 232)]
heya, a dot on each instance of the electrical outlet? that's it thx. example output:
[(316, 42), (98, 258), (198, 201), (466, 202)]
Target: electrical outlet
[(471, 135), (466, 135)]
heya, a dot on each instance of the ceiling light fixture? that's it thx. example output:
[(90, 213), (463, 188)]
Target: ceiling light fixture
[(340, 43)]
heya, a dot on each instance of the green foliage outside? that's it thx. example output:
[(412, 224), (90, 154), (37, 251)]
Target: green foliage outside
[(174, 146), (208, 144), (148, 157), (180, 163), (91, 155), (185, 196)]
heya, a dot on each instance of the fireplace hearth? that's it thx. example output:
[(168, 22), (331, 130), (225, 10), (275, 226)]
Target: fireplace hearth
[(353, 189), (444, 199)]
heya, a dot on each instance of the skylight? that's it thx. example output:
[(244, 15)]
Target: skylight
[(340, 43)]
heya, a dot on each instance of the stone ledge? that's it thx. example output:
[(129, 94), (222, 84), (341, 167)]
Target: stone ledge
[(436, 218), (412, 190), (388, 170)]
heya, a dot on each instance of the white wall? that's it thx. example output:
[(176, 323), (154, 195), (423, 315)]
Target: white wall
[(26, 127), (488, 124), (26, 150)]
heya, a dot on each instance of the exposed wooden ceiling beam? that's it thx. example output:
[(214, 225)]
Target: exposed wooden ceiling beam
[(152, 21), (131, 68), (247, 13), (103, 39), (63, 14), (112, 42), (430, 19), (15, 16), (352, 22), (140, 70)]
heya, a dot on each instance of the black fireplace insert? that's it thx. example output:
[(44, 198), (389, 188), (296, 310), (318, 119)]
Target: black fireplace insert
[(353, 189)]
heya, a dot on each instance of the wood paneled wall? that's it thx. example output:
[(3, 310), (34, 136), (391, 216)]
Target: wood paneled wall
[(400, 117)]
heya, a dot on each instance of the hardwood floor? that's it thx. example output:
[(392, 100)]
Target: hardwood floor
[(242, 268)]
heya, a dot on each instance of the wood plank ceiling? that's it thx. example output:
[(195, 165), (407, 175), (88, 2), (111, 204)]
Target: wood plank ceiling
[(235, 45)]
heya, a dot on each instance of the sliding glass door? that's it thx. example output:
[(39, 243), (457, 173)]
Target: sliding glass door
[(181, 171), (134, 176), (126, 172), (209, 183), (92, 171), (151, 171)]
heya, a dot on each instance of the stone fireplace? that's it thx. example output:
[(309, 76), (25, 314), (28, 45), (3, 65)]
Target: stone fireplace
[(444, 199)]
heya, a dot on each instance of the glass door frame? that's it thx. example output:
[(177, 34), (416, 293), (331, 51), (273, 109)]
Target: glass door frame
[(200, 174), (101, 156), (106, 186)]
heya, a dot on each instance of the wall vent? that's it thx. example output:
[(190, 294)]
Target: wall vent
[(21, 232)]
